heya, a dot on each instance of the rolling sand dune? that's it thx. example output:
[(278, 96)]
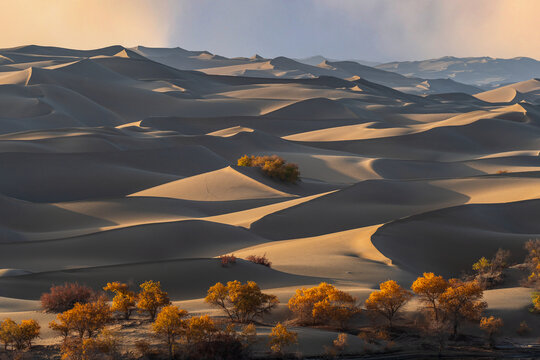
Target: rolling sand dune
[(121, 164), (477, 232)]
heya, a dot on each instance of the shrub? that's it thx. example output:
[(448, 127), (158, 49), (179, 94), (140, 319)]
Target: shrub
[(341, 342), (227, 259), (146, 350), (523, 329), (273, 166), (491, 326), (389, 300), (490, 272), (84, 319), (280, 338), (104, 346), (502, 171), (482, 266), (64, 297), (124, 300), (261, 260), (249, 334), (323, 303), (241, 302), (151, 298), (221, 346)]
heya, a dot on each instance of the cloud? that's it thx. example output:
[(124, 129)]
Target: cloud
[(428, 28), (380, 30), (86, 23)]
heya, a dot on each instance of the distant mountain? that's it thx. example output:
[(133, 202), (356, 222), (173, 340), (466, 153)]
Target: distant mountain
[(485, 72), (283, 67), (317, 59)]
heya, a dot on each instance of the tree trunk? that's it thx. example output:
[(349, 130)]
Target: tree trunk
[(455, 327)]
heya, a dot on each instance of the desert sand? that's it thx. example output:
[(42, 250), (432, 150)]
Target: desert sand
[(120, 164)]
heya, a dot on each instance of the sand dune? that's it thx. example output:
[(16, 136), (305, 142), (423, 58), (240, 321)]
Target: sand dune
[(479, 228), (121, 164), (528, 91)]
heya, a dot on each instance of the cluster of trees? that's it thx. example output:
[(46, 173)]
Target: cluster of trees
[(273, 166), (18, 336), (83, 314)]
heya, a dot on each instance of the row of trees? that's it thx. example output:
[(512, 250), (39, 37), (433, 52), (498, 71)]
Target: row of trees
[(85, 313)]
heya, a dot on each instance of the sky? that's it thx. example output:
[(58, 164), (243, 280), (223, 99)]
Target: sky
[(374, 30)]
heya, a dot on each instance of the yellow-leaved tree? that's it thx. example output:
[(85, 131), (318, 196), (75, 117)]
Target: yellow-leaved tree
[(200, 328), (84, 319), (19, 336), (151, 298), (322, 304), (536, 302), (170, 325), (533, 261), (389, 300), (241, 302), (462, 301), (491, 326), (429, 288), (124, 300), (8, 327), (281, 338)]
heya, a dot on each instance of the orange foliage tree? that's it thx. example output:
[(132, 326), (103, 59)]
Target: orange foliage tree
[(273, 166), (323, 303), (124, 300), (241, 302), (536, 302), (169, 324), (200, 328), (103, 346), (280, 338), (19, 336), (84, 319), (533, 261), (151, 298), (429, 288), (462, 301), (389, 300), (491, 326)]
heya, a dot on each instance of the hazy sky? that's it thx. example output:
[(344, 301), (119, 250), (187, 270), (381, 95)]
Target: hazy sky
[(380, 30)]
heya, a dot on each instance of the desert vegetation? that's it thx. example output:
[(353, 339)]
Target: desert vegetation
[(272, 166), (259, 259), (18, 336), (323, 304), (63, 297), (445, 305), (241, 302), (489, 272)]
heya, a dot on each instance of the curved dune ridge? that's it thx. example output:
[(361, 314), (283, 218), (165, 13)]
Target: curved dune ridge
[(120, 164)]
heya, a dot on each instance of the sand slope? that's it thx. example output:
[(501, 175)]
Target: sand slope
[(121, 164)]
